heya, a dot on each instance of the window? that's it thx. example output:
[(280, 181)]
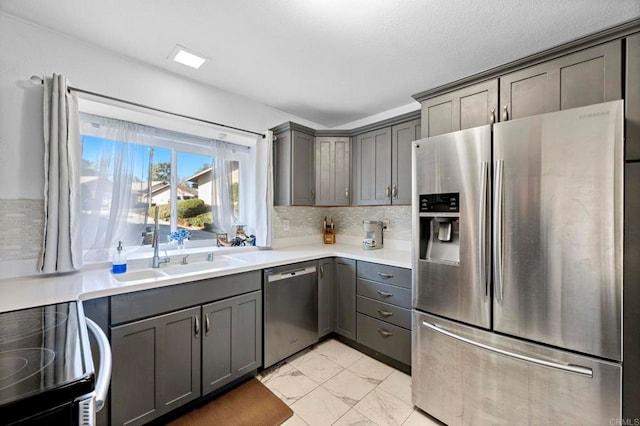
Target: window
[(128, 170)]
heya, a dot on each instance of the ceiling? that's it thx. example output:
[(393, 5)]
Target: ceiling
[(328, 61)]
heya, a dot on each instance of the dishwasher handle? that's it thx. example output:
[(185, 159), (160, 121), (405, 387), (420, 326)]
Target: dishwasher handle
[(104, 373), (291, 273)]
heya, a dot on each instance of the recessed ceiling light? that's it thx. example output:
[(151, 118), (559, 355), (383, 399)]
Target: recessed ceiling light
[(187, 57)]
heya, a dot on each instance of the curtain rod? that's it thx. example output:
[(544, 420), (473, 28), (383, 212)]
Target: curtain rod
[(38, 80)]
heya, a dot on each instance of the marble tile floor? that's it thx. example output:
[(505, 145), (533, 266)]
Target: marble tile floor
[(334, 384)]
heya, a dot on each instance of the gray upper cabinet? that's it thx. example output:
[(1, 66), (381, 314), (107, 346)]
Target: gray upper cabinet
[(345, 306), (163, 355), (632, 98), (401, 137), (232, 339), (586, 77), (372, 168), (326, 296), (333, 171), (293, 161), (461, 109)]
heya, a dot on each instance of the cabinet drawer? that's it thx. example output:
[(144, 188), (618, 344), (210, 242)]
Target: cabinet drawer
[(385, 338), (385, 312), (386, 274), (386, 293)]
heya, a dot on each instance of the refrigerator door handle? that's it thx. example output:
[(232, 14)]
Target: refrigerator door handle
[(498, 261), (483, 227), (569, 368)]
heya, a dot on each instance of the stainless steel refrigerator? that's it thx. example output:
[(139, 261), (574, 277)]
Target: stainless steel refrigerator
[(517, 270)]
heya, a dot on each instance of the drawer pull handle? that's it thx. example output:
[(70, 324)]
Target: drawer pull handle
[(385, 333), (197, 327), (384, 293), (385, 313), (207, 325), (385, 275)]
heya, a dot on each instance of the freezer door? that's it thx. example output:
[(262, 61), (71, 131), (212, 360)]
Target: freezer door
[(557, 221), (451, 268), (465, 376)]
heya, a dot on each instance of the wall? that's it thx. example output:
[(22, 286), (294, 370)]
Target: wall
[(31, 50)]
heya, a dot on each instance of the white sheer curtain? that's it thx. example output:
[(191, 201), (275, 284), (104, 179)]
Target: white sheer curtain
[(61, 250), (260, 199), (116, 185), (229, 164)]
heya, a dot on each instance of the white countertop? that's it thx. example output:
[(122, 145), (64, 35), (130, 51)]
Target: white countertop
[(95, 282)]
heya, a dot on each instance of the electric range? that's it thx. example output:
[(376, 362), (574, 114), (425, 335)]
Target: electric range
[(45, 364)]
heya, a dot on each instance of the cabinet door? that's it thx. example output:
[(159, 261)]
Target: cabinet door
[(583, 78), (302, 166), (333, 171), (469, 107), (282, 169), (232, 342), (346, 297), (401, 137), (326, 298), (156, 366), (372, 168), (632, 98)]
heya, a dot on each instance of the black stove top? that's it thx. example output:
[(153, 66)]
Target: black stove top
[(44, 359)]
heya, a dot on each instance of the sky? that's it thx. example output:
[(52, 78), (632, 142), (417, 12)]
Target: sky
[(95, 148)]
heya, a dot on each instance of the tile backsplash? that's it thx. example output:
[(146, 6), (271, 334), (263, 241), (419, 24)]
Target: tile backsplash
[(307, 221), (21, 224)]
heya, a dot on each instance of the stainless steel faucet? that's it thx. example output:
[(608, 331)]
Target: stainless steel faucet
[(156, 262)]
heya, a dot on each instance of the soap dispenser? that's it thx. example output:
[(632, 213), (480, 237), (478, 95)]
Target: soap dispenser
[(119, 261)]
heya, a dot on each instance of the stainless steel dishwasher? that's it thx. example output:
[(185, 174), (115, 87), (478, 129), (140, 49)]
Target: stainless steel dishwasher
[(290, 310)]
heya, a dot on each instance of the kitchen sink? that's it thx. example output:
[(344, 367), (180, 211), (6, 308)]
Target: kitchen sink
[(144, 274), (217, 263)]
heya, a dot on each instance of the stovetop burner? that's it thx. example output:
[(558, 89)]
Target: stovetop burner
[(23, 324), (19, 365)]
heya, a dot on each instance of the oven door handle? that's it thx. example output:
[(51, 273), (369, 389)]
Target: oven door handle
[(104, 373)]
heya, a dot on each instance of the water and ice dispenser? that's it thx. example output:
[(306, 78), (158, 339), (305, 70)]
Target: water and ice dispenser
[(440, 227)]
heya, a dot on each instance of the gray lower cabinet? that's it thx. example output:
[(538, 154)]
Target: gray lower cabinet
[(384, 310), (461, 109), (333, 171), (231, 341), (586, 77), (632, 98), (156, 366), (372, 168), (326, 296), (345, 315)]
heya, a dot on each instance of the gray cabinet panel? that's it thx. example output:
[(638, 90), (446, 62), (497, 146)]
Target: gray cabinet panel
[(401, 137), (583, 78), (247, 336), (326, 296), (461, 109), (333, 171), (156, 366), (631, 294), (346, 297), (632, 98), (372, 168), (147, 303), (303, 177), (384, 273), (385, 338), (282, 169), (384, 312), (385, 293), (232, 342), (217, 356)]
